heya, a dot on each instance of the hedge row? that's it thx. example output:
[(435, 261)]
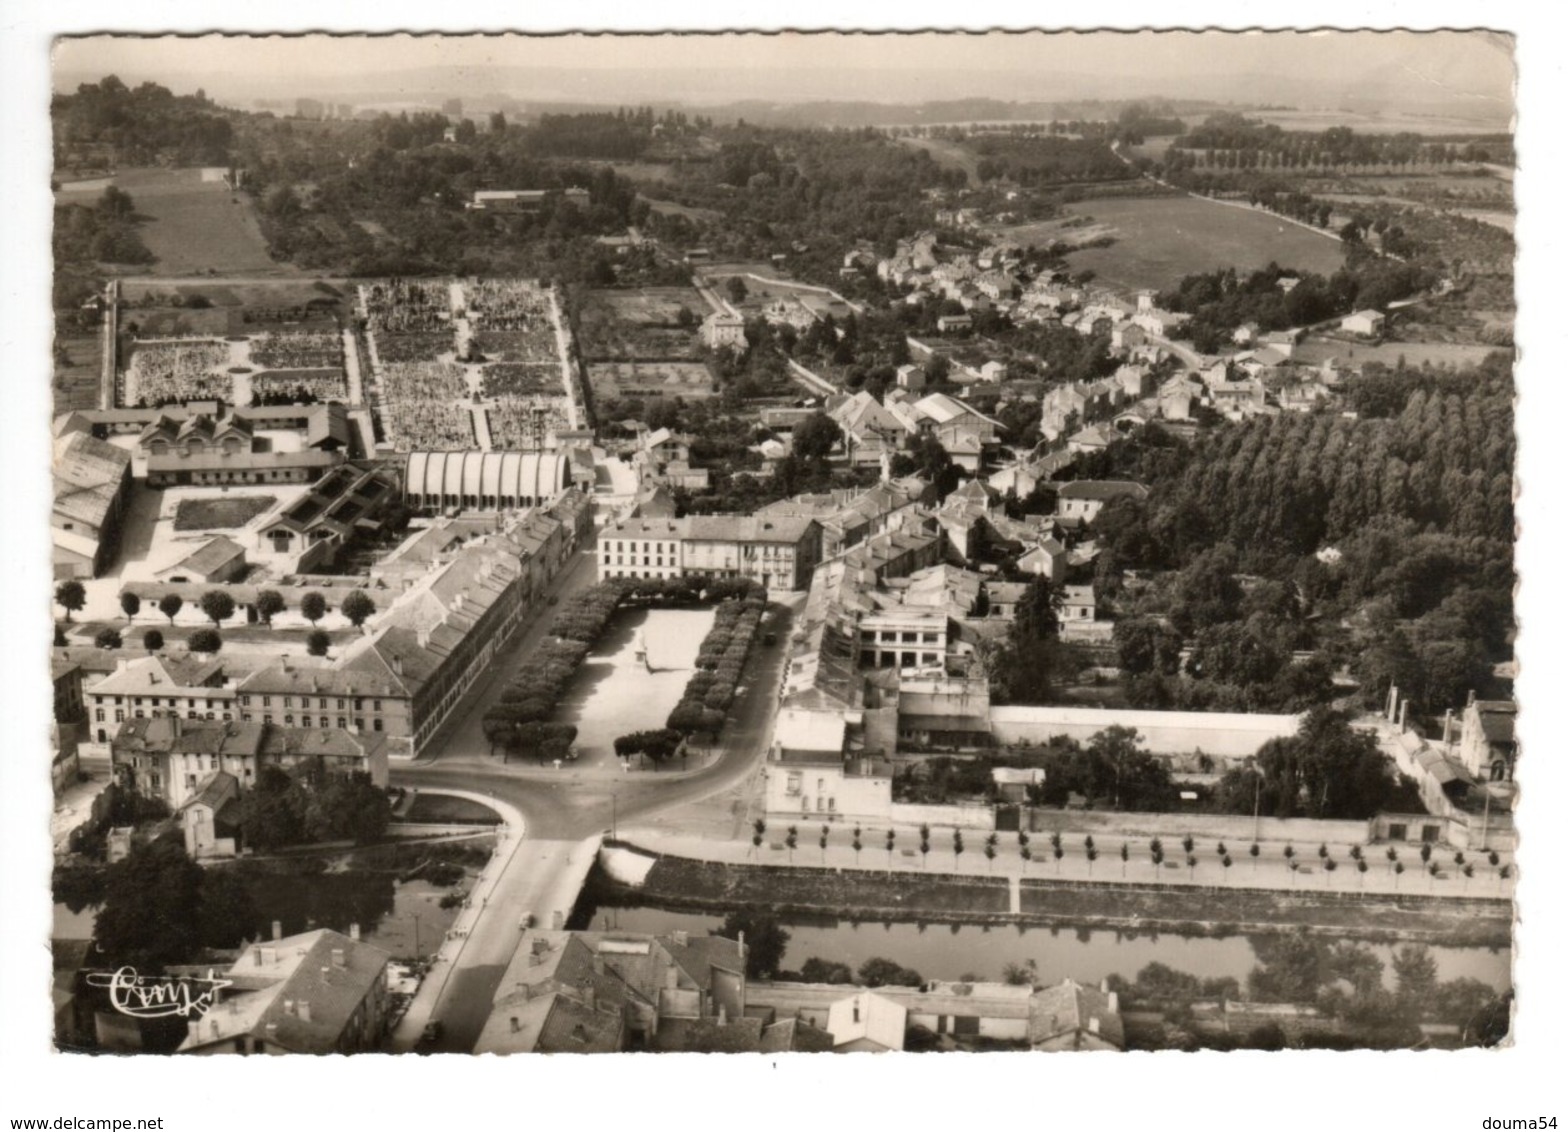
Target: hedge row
[(720, 662)]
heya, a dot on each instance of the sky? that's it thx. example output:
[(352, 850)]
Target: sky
[(1455, 69)]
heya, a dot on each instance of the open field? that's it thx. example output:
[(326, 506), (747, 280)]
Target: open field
[(759, 293), (1375, 123), (650, 379), (226, 514), (192, 226), (670, 208), (948, 154), (657, 306), (624, 326), (1158, 240), (1315, 350), (650, 172), (225, 309), (76, 373)]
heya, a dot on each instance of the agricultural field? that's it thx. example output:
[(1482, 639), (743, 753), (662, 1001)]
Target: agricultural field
[(948, 154), (1319, 349), (759, 293), (616, 380), (162, 310), (1158, 240), (194, 227), (640, 325), (670, 208), (1374, 123), (77, 365)]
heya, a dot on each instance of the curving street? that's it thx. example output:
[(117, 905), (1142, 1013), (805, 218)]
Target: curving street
[(564, 811)]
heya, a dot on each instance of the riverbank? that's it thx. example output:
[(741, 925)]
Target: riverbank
[(867, 895)]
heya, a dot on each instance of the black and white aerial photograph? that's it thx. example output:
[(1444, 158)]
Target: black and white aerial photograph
[(752, 544)]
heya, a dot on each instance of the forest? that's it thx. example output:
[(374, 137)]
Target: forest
[(1381, 541), (108, 123), (1235, 141)]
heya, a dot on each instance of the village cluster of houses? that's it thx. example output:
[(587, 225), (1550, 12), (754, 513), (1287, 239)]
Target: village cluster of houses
[(613, 991)]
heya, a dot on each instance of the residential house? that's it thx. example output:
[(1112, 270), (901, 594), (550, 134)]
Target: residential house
[(1238, 400), (1095, 438), (1487, 746), (1367, 323), (70, 712), (1135, 382), (1078, 604), (193, 687), (319, 992), (1081, 501), (911, 377), (867, 1022), (1048, 559), (172, 760), (607, 992), (1128, 336), (953, 323), (724, 330), (1071, 1016), (211, 820), (871, 431)]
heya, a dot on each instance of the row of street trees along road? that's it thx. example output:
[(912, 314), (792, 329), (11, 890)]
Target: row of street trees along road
[(219, 605), (720, 662)]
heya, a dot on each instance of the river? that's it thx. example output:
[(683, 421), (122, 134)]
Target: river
[(949, 951)]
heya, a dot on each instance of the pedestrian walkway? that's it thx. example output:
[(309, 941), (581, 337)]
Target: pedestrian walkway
[(1037, 859)]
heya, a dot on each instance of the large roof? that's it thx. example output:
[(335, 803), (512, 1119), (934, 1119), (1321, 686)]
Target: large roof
[(518, 475), (1101, 489), (88, 473), (316, 983)]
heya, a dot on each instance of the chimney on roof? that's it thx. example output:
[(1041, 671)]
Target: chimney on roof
[(338, 957), (255, 954), (277, 929), (1094, 1025), (680, 938), (288, 1006), (516, 1026), (353, 932), (304, 1010), (397, 664), (1114, 1005)]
